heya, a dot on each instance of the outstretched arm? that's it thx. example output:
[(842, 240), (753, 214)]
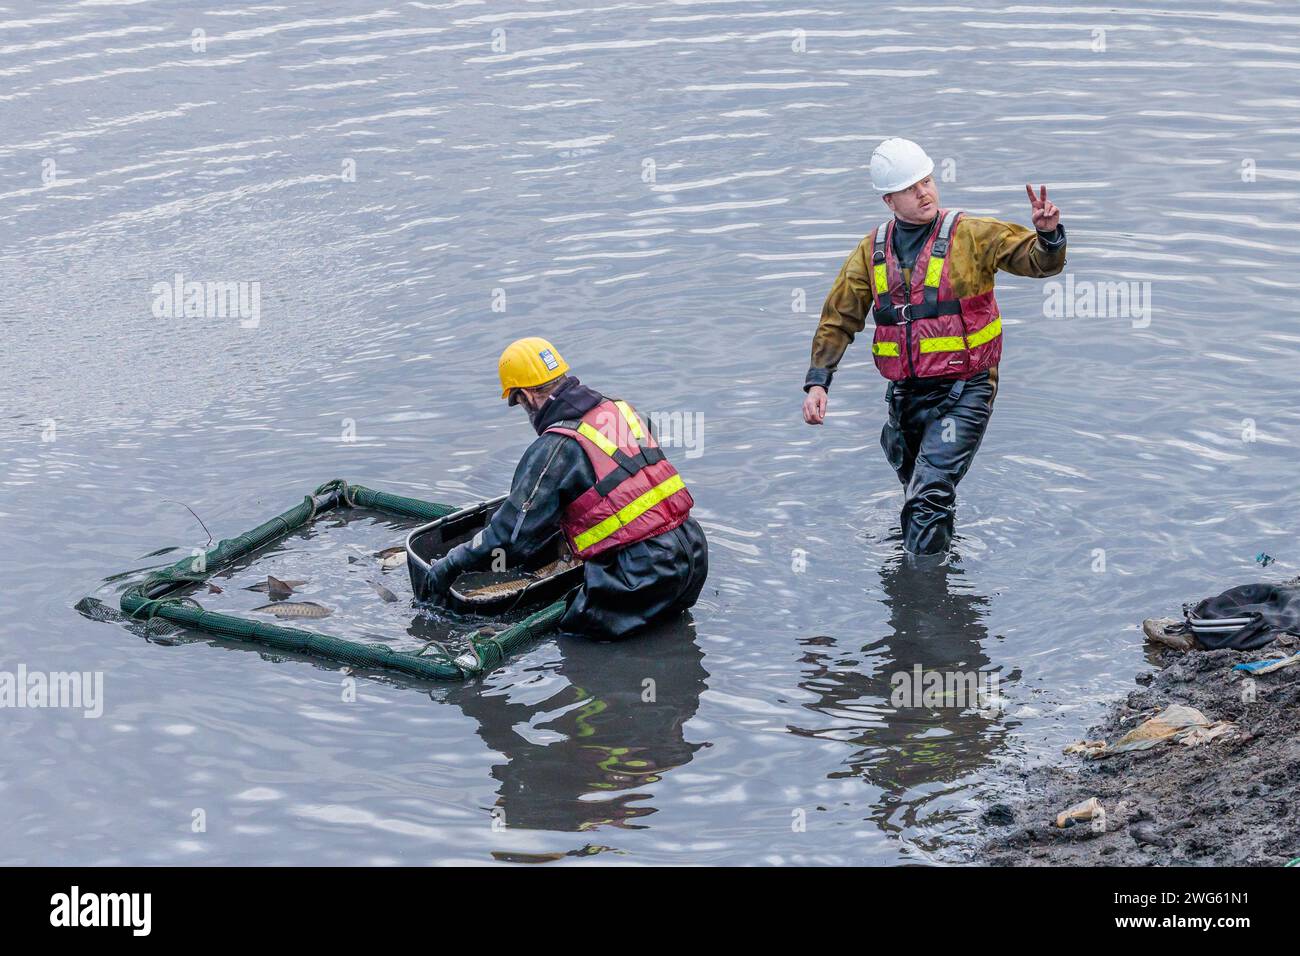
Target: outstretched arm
[(552, 473)]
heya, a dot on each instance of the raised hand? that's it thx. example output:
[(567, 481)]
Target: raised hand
[(1045, 215)]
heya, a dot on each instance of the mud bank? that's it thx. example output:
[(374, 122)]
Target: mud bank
[(1232, 801)]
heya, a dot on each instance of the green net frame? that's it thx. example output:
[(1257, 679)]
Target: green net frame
[(161, 595)]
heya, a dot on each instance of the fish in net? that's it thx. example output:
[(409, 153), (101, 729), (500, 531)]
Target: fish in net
[(484, 586)]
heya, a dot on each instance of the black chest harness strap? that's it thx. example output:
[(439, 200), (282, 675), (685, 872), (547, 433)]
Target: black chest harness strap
[(885, 312)]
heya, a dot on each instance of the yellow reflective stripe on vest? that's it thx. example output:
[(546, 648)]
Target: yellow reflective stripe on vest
[(882, 279), (986, 334), (955, 343), (629, 513), (600, 441), (631, 419), (934, 272), (943, 343), (887, 349)]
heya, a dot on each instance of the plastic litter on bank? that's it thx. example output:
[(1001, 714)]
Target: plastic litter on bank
[(1175, 724)]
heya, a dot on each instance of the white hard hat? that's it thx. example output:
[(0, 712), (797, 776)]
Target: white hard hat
[(897, 164)]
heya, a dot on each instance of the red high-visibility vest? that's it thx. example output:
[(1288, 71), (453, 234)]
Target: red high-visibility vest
[(638, 493), (925, 331)]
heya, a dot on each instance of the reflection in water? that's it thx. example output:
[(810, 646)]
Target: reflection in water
[(911, 753), (582, 756)]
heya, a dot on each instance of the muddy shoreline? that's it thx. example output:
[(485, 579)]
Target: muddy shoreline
[(1234, 801)]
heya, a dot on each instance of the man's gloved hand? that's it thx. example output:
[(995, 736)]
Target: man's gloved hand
[(438, 580), (441, 574)]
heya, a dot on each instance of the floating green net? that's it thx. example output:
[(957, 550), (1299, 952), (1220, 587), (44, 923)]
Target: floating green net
[(160, 596)]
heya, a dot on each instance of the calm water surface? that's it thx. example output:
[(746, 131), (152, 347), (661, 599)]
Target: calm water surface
[(655, 186)]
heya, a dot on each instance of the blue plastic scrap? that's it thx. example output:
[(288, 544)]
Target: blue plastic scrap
[(1268, 665)]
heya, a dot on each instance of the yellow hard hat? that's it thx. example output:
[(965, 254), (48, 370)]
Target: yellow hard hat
[(527, 363)]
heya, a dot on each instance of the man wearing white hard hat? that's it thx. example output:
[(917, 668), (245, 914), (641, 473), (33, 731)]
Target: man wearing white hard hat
[(926, 277)]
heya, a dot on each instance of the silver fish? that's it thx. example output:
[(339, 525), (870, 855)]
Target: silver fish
[(486, 585), (391, 558), (496, 589), (287, 609), (275, 587), (383, 592)]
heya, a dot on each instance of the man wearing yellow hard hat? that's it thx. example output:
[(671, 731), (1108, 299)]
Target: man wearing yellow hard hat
[(596, 473)]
